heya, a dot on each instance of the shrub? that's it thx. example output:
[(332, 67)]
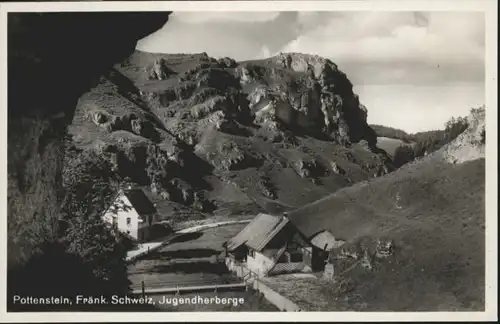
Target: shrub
[(402, 155), (90, 185)]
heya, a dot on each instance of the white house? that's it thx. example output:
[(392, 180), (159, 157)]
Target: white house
[(132, 213)]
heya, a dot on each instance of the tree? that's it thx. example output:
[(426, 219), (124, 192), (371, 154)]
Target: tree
[(453, 128), (101, 252), (84, 257), (88, 181), (428, 142), (402, 155), (90, 185)]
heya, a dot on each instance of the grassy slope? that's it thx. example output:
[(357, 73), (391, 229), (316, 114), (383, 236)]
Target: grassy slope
[(437, 225)]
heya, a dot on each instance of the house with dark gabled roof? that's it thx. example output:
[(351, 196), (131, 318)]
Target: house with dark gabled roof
[(132, 213), (271, 245)]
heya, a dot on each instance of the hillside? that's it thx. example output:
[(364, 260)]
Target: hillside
[(390, 145), (391, 132), (432, 211), (208, 136)]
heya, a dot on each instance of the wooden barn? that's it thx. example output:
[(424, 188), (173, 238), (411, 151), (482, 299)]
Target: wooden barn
[(271, 245)]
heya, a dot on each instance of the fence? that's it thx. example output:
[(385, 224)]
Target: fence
[(281, 302), (252, 279), (187, 287)]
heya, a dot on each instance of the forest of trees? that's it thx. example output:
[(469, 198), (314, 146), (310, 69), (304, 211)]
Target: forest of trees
[(428, 142), (390, 132), (424, 142)]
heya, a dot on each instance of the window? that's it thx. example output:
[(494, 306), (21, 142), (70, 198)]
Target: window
[(129, 221), (295, 256), (115, 222)]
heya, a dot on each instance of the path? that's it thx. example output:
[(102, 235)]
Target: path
[(205, 226)]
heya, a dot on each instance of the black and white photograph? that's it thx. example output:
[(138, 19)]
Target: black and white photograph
[(214, 159)]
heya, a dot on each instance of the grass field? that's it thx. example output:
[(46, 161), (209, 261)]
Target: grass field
[(434, 212)]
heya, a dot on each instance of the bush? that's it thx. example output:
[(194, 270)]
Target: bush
[(402, 155)]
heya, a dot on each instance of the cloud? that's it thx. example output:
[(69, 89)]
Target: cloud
[(420, 40), (435, 45), (235, 34), (405, 65), (221, 16), (408, 47)]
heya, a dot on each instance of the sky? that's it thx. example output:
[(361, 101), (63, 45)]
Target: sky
[(412, 70)]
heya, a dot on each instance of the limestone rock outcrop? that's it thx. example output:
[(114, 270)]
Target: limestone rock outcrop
[(322, 99), (471, 144)]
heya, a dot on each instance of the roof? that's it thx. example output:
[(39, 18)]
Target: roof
[(343, 213), (258, 232), (139, 201)]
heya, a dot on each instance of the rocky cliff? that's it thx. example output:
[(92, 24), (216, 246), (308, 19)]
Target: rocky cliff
[(48, 72), (308, 92), (229, 137)]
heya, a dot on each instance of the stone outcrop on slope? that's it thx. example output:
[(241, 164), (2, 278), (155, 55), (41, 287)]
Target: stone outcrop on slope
[(471, 144), (159, 70)]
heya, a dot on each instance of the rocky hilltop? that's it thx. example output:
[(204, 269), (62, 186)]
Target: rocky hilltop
[(226, 137)]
